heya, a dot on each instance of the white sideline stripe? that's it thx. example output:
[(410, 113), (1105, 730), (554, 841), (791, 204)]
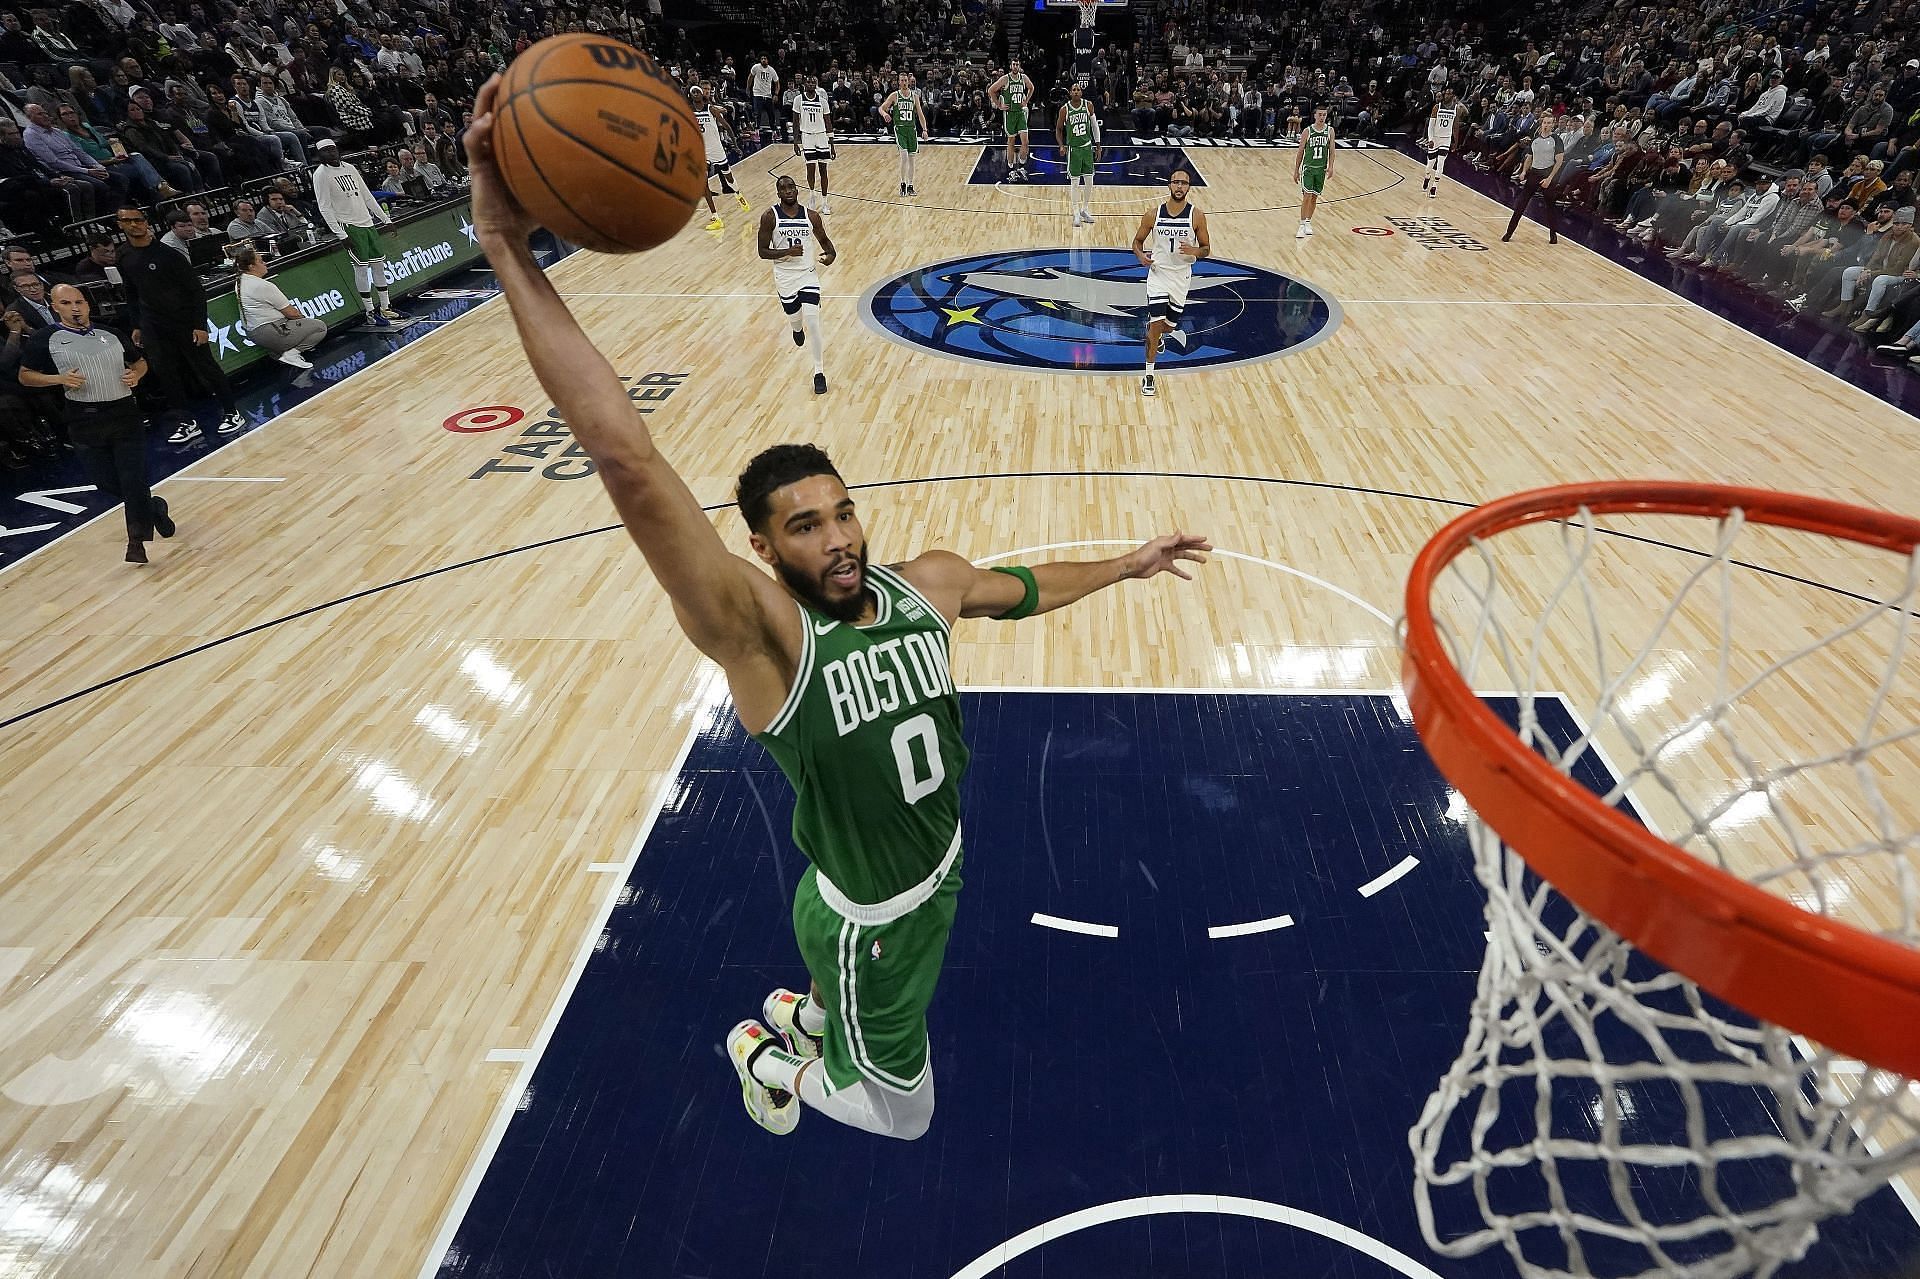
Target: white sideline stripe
[(232, 479), (604, 868), (1373, 886), (1344, 594), (1252, 926), (1076, 926), (1631, 306), (530, 1061), (507, 1054), (1220, 1205)]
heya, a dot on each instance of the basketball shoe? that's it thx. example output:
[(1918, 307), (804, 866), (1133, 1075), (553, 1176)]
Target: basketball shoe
[(782, 1013), (773, 1109)]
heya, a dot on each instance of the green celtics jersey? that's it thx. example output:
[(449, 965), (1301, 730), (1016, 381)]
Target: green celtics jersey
[(903, 117), (1079, 126), (1318, 143), (1015, 94), (870, 739)]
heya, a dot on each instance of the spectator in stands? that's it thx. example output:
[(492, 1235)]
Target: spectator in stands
[(347, 104), (136, 174), (162, 148), (1728, 203), (98, 274), (87, 183), (1762, 201), (290, 227), (1892, 269), (180, 232), (270, 110), (272, 322), (419, 163), (247, 227), (207, 161), (446, 153), (1835, 234), (30, 300), (32, 196)]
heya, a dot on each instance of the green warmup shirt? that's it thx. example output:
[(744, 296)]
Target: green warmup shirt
[(870, 738), (906, 127)]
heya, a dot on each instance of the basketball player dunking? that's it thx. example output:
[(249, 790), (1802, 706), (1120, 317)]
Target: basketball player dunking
[(1170, 240), (711, 116), (1442, 124), (841, 669), (1311, 165), (902, 113), (1010, 94), (813, 140), (1078, 130), (787, 236)]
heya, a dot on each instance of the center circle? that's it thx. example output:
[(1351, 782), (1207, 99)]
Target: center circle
[(1084, 310)]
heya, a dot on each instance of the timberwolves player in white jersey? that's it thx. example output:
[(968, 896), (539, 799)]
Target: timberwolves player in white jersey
[(788, 233), (711, 116), (1441, 127), (1170, 240), (813, 116)]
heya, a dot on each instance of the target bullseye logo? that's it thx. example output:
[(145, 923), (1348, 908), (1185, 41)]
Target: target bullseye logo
[(488, 418), (1373, 230)]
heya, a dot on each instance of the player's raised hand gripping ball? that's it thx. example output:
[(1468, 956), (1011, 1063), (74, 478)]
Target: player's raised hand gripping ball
[(598, 144)]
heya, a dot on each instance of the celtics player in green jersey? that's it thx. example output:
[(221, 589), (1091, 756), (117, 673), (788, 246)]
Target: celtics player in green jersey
[(1311, 165), (841, 668), (902, 111), (1077, 130), (1010, 94)]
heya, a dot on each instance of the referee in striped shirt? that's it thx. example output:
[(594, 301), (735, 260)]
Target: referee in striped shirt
[(97, 373)]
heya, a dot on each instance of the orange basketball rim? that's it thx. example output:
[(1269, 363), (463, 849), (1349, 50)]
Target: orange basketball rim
[(1851, 991)]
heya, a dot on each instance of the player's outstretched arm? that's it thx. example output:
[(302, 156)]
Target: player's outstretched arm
[(715, 594), (961, 589)]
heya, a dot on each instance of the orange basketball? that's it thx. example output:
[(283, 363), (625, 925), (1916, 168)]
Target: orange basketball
[(597, 143)]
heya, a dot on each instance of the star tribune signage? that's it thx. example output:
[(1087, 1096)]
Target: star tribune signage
[(418, 252)]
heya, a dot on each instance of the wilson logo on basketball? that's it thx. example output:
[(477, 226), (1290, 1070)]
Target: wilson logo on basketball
[(614, 57)]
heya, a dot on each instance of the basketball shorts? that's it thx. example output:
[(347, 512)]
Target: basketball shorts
[(1016, 119), (907, 140), (815, 149), (797, 290), (874, 983), (1437, 152), (719, 166), (363, 244), (1313, 181), (1167, 292), (1079, 162), (716, 159)]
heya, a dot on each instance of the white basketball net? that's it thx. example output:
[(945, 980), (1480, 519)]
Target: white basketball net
[(1089, 11), (1605, 1116)]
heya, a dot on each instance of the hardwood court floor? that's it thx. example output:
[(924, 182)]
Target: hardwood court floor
[(279, 919)]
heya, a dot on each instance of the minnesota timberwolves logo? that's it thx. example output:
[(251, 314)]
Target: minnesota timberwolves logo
[(1085, 311)]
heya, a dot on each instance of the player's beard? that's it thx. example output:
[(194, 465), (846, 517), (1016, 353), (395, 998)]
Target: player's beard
[(813, 590)]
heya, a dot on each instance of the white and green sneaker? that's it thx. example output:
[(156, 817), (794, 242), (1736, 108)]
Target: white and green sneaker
[(773, 1109), (782, 1011)]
